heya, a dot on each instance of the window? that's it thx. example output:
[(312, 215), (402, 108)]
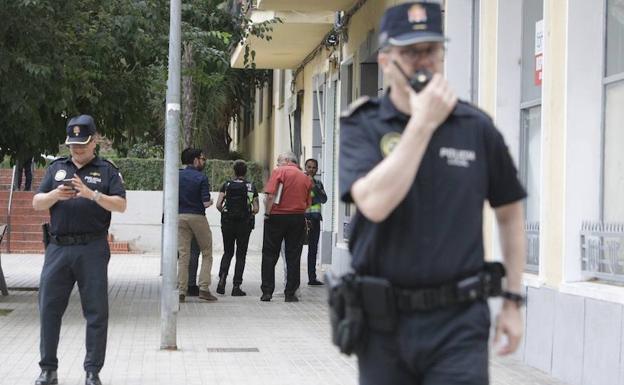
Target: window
[(613, 172), (282, 87), (261, 104), (530, 123), (602, 242), (346, 84)]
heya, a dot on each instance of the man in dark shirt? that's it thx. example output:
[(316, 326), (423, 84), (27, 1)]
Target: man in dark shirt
[(80, 191), (194, 198), (314, 218), (419, 167), (288, 196)]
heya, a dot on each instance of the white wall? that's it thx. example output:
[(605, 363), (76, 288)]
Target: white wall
[(141, 223)]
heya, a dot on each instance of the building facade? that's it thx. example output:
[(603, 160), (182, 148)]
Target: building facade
[(551, 74)]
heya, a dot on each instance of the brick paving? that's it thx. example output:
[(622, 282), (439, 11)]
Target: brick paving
[(238, 340)]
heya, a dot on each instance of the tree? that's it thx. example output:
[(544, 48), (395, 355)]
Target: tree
[(213, 92), (79, 56)]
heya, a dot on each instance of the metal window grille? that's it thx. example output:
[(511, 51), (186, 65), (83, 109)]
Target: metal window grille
[(532, 230), (602, 250)]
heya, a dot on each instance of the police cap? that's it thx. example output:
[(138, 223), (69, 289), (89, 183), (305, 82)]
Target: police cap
[(80, 129), (411, 23)]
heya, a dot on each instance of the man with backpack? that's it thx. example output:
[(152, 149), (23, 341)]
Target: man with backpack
[(238, 203)]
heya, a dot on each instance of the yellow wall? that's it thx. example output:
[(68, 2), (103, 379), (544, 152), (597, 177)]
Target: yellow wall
[(553, 144), (487, 91)]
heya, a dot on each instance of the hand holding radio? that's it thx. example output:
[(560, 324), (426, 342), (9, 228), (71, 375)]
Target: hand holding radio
[(431, 98)]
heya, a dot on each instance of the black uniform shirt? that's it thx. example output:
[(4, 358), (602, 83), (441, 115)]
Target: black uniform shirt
[(82, 215), (435, 234)]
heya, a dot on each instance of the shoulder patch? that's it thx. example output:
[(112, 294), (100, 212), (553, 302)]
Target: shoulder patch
[(111, 163), (60, 158), (356, 105)]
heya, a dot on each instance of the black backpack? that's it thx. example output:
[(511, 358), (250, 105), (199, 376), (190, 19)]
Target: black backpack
[(236, 205)]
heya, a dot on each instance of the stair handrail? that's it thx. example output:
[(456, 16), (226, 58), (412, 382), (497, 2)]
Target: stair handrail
[(8, 233)]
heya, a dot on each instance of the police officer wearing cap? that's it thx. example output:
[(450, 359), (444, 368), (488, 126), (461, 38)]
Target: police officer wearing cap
[(419, 167), (80, 191)]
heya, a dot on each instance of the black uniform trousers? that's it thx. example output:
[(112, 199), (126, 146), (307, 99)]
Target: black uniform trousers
[(313, 238), (441, 347), (289, 228), (235, 233), (26, 168), (63, 266)]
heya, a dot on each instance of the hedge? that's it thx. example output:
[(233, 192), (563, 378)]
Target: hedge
[(147, 174)]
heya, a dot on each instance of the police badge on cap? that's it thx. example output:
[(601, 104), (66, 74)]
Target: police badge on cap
[(411, 23), (80, 129)]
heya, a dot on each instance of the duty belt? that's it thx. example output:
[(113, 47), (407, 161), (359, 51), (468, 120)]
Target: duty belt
[(480, 286), (76, 239)]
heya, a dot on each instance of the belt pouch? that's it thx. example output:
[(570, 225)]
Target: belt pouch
[(379, 303)]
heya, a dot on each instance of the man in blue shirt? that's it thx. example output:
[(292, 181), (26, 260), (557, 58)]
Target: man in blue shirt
[(194, 198)]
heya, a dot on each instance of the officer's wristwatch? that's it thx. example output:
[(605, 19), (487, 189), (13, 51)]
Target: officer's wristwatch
[(517, 299), (97, 196)]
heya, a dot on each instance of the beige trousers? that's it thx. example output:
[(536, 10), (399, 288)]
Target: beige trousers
[(190, 225)]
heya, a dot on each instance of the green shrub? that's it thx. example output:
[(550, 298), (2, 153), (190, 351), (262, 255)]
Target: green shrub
[(147, 174)]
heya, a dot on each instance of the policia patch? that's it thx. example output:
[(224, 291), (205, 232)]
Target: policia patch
[(388, 142)]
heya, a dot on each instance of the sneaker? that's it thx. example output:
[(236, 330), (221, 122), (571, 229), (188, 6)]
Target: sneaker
[(221, 285), (193, 291), (205, 295), (265, 297), (237, 292), (182, 297), (291, 298), (315, 282)]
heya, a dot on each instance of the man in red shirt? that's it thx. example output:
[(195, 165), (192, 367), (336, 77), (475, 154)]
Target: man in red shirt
[(288, 196)]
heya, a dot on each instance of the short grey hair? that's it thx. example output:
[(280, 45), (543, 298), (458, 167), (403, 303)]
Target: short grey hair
[(288, 156)]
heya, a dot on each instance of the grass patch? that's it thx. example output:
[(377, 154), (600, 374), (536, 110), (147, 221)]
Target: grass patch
[(5, 312)]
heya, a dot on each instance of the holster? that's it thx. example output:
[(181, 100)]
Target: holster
[(346, 314), (45, 228)]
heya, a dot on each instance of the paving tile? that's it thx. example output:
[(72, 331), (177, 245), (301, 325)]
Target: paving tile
[(293, 339)]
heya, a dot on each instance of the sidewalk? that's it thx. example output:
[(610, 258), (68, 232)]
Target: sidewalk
[(238, 340)]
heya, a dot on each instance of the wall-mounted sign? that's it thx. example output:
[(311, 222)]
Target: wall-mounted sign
[(539, 52)]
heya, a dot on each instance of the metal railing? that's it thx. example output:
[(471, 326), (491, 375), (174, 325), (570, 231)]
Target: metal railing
[(602, 250), (532, 230), (10, 203)]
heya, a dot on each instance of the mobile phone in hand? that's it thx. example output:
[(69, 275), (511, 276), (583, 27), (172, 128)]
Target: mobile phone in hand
[(68, 183)]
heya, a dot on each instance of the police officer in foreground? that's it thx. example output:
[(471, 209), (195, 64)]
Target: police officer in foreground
[(80, 191), (419, 167)]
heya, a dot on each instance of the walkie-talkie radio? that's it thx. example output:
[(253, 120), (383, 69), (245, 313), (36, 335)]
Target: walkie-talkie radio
[(419, 80)]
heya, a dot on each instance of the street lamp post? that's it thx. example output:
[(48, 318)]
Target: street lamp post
[(169, 304)]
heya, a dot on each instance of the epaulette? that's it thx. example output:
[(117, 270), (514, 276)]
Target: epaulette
[(111, 163), (63, 158), (465, 108), (356, 105)]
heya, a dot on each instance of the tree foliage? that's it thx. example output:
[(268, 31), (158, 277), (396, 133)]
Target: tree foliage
[(108, 58), (61, 58)]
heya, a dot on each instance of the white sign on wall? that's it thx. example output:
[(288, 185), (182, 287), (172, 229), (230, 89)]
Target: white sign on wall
[(539, 52)]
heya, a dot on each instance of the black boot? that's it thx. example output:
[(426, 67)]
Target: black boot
[(47, 377), (237, 292), (221, 285), (92, 379)]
